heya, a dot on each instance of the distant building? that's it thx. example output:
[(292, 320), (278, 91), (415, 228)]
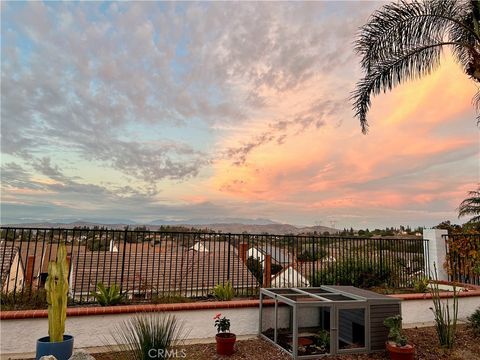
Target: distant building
[(12, 270)]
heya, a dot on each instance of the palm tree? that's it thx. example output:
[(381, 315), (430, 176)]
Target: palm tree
[(471, 206), (404, 41)]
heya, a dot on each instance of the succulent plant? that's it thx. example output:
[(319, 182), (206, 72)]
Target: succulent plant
[(56, 287)]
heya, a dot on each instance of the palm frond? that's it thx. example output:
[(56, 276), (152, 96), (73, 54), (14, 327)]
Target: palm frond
[(471, 206), (406, 24), (476, 104), (411, 64), (403, 41)]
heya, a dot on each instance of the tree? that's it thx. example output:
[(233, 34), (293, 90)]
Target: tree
[(404, 41), (471, 206)]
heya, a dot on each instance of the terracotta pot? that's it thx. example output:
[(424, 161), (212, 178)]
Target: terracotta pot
[(400, 352), (225, 342)]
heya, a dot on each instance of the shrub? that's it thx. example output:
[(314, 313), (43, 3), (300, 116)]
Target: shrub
[(108, 296), (474, 321), (309, 253), (224, 292), (362, 273), (98, 245), (28, 299), (275, 269), (255, 267), (136, 337), (445, 321), (421, 285), (169, 299)]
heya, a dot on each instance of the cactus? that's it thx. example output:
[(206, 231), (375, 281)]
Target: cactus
[(57, 291)]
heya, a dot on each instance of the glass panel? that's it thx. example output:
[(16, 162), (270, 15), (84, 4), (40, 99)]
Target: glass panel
[(351, 328)]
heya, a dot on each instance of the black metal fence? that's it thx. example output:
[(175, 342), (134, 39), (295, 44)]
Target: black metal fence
[(148, 265), (463, 258)]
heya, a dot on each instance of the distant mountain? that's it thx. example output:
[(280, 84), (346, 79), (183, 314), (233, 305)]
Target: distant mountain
[(251, 226), (275, 229), (208, 221)]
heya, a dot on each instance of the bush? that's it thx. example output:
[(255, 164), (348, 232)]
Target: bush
[(224, 292), (275, 269), (255, 267), (108, 296), (136, 337), (362, 273), (169, 299), (421, 285), (29, 299), (474, 321), (308, 253), (445, 320), (98, 245)]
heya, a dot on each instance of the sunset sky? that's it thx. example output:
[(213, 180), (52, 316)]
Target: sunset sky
[(148, 110)]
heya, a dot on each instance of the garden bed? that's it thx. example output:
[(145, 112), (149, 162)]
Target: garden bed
[(427, 348)]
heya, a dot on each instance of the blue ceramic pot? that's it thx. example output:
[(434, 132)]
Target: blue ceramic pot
[(62, 350)]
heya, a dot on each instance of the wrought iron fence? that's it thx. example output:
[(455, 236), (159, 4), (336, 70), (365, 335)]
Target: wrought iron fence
[(149, 265), (463, 258)]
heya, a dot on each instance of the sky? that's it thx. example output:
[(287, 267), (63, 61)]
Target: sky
[(156, 110)]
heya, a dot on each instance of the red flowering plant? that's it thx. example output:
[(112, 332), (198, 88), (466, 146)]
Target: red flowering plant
[(222, 324)]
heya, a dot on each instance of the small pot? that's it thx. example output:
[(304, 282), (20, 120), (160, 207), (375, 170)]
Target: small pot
[(62, 350), (400, 352), (225, 342)]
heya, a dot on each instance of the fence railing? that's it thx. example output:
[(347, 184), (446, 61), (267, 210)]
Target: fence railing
[(148, 265), (463, 258)]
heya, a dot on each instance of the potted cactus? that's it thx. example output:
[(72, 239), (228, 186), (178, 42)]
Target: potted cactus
[(397, 344), (56, 286)]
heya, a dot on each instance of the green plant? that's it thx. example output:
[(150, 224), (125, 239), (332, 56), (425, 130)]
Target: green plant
[(404, 40), (56, 287), (362, 272), (108, 296), (222, 324), (224, 292), (169, 298), (445, 321), (23, 300), (474, 321), (394, 325), (147, 336), (323, 338), (309, 253), (421, 285), (255, 267)]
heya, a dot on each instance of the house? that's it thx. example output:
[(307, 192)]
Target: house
[(11, 267), (185, 272), (289, 277), (278, 255)]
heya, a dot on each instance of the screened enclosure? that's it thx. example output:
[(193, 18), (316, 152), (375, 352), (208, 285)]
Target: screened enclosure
[(310, 322)]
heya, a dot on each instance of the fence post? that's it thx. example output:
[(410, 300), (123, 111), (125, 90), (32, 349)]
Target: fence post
[(228, 264), (436, 251), (267, 271), (123, 259)]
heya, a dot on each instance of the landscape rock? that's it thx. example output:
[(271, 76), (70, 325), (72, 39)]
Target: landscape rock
[(81, 355)]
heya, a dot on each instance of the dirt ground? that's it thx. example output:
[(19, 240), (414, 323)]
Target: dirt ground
[(467, 347)]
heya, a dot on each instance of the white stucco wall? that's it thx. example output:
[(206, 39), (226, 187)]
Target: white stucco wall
[(19, 336), (418, 311)]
